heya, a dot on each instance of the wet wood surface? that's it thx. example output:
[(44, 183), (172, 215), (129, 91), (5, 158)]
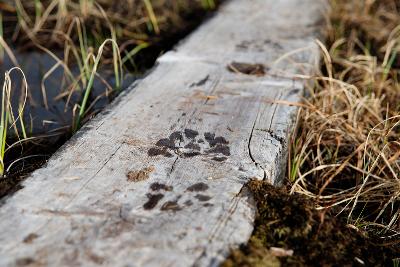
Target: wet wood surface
[(158, 178)]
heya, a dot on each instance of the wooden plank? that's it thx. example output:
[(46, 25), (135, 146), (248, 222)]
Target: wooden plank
[(157, 179)]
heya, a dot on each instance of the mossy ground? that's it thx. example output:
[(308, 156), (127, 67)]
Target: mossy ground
[(317, 238)]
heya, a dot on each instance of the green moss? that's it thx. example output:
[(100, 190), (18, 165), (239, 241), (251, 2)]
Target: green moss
[(255, 254), (317, 238)]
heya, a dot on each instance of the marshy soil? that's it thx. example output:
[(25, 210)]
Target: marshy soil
[(289, 231), (41, 150), (50, 117)]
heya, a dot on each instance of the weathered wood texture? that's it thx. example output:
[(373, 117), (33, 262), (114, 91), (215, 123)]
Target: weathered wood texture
[(157, 179)]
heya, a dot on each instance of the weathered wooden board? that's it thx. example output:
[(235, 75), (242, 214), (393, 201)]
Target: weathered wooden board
[(157, 179)]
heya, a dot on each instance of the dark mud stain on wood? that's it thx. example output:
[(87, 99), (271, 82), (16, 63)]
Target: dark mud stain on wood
[(202, 198), (158, 186), (192, 146), (166, 146), (199, 187), (188, 203), (201, 82), (213, 141), (27, 261), (170, 206), (247, 68), (276, 45), (258, 45), (191, 133), (191, 154), (294, 92), (186, 144), (159, 151), (171, 141), (166, 142), (176, 136), (220, 149), (219, 145), (30, 238), (219, 159), (153, 200), (141, 175)]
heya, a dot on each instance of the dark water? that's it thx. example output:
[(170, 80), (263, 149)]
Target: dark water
[(49, 107)]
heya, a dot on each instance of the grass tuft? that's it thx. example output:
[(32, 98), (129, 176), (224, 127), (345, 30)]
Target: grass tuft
[(346, 152), (7, 119), (96, 62)]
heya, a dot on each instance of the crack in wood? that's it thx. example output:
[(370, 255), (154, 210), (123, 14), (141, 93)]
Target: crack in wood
[(249, 148), (95, 174), (275, 136)]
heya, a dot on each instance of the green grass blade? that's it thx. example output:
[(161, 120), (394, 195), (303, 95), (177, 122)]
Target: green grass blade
[(82, 109), (152, 16)]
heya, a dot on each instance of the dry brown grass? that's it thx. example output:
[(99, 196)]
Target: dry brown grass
[(46, 22), (346, 151)]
